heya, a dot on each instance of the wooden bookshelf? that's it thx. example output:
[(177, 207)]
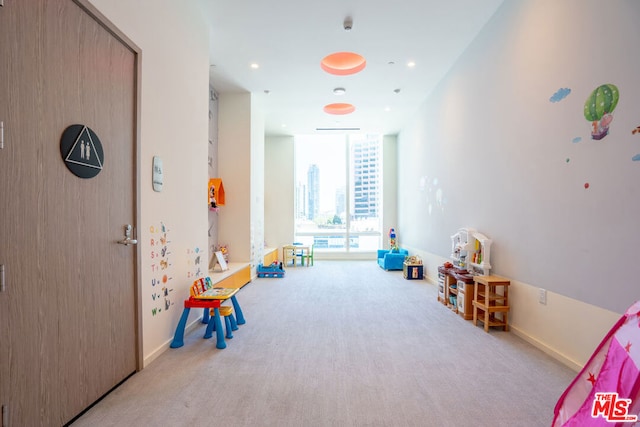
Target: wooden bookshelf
[(236, 276)]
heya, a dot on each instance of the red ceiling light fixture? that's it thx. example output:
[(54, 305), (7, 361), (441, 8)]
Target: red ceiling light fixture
[(343, 63), (339, 108)]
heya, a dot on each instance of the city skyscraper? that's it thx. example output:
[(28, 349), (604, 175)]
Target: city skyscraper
[(301, 200), (313, 194), (365, 157), (341, 201)]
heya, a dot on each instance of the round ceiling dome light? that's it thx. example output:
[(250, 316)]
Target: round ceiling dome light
[(339, 108), (343, 63)]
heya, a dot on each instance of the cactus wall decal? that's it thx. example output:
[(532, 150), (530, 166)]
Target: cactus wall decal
[(598, 109)]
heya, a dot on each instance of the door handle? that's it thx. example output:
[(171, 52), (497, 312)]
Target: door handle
[(127, 236)]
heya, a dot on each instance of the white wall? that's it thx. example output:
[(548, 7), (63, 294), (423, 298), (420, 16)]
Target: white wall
[(174, 38), (279, 191), (212, 160), (490, 150), (234, 164), (241, 165), (257, 181)]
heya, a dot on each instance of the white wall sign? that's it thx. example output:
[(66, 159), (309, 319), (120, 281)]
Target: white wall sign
[(158, 177)]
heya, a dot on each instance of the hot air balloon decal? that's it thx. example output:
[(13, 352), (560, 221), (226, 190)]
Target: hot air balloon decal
[(598, 109)]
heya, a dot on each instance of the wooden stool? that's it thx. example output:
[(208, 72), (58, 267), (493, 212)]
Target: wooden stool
[(488, 301), (229, 322)]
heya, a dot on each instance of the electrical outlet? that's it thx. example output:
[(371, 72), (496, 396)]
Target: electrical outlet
[(542, 296)]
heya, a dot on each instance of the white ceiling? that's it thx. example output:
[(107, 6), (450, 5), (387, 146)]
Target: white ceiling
[(289, 38)]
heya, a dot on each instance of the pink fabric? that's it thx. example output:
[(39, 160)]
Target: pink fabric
[(614, 367)]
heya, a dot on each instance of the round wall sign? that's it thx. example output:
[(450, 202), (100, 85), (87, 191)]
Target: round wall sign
[(81, 151)]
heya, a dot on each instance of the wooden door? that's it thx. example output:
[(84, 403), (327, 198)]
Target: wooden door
[(4, 297), (68, 312)]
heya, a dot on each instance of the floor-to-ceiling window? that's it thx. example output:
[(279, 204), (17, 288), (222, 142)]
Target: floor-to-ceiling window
[(338, 197)]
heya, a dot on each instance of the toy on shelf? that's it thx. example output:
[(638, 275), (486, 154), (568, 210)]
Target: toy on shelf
[(219, 259), (413, 260), (215, 196), (273, 270), (225, 251), (471, 250), (393, 244)]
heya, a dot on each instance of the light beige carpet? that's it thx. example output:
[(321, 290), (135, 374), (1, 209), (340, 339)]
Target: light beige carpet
[(342, 344)]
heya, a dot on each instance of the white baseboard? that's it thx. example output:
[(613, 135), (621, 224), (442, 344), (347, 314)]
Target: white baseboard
[(572, 364), (166, 345)]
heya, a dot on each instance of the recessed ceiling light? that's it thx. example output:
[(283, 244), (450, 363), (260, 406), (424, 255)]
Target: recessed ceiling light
[(254, 65), (411, 64), (387, 108), (339, 91)]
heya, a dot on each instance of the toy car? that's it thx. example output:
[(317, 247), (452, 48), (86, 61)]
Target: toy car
[(273, 270)]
